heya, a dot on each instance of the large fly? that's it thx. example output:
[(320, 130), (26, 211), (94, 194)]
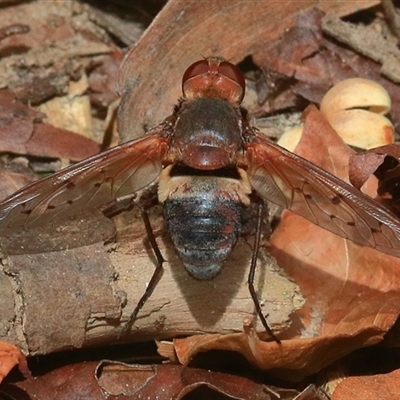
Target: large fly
[(210, 164)]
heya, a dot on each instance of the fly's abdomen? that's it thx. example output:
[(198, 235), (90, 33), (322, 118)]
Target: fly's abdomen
[(203, 231), (203, 216)]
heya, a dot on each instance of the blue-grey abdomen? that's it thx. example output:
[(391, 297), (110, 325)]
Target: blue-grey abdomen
[(203, 216)]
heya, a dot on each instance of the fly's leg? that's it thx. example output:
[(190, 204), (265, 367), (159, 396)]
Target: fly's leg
[(156, 274), (250, 280)]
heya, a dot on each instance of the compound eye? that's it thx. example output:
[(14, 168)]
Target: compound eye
[(232, 72), (198, 68)]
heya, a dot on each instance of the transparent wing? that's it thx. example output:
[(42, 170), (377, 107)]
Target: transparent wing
[(91, 183), (309, 191)]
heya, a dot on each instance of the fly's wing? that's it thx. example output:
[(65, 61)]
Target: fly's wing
[(91, 183), (294, 183)]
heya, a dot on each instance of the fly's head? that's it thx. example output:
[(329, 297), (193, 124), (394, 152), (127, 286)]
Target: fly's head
[(214, 77)]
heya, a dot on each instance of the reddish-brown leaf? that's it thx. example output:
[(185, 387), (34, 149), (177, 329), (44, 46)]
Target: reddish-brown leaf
[(176, 381), (382, 387), (75, 381), (362, 166), (11, 181), (292, 360), (383, 162), (22, 132), (10, 356), (116, 380)]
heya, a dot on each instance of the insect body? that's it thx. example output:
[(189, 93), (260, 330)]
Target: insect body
[(208, 160), (203, 196)]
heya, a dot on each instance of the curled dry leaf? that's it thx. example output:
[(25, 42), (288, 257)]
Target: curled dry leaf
[(362, 166), (354, 108), (116, 380), (10, 356), (383, 162), (70, 382), (292, 360), (176, 381)]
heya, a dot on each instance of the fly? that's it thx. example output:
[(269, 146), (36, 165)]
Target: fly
[(209, 163)]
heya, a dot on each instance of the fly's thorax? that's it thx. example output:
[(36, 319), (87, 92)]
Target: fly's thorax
[(203, 215), (208, 133)]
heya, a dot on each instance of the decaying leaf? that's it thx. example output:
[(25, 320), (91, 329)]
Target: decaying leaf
[(383, 387), (382, 163), (23, 132), (292, 360), (10, 356)]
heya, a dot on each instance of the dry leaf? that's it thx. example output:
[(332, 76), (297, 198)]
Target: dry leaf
[(176, 381), (11, 181), (10, 356), (116, 380), (22, 132), (383, 162), (362, 166), (292, 360), (383, 387)]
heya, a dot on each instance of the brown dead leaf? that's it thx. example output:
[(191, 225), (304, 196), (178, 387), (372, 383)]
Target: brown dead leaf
[(176, 381), (10, 356), (362, 166), (349, 289), (383, 162), (49, 141), (103, 79), (383, 387), (22, 132), (299, 54), (292, 360), (70, 382), (116, 380)]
